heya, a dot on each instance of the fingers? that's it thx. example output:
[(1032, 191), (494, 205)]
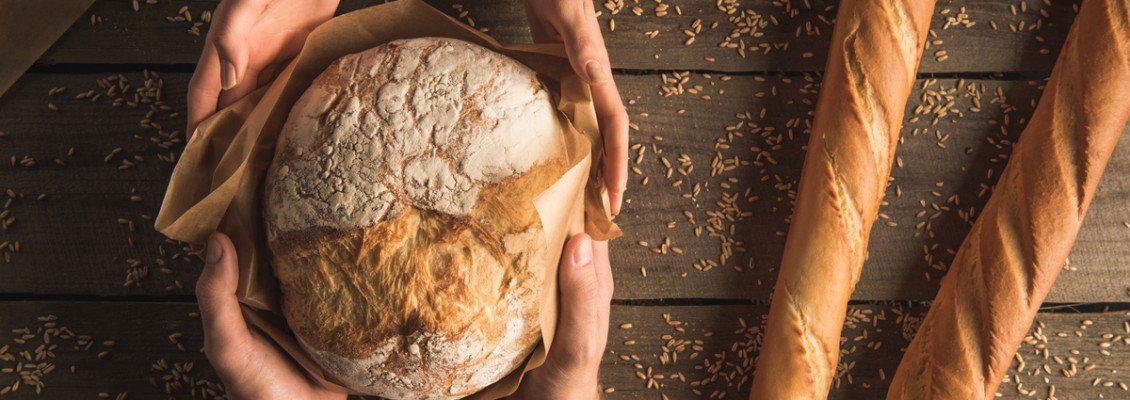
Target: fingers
[(224, 326), (203, 89), (584, 44), (603, 271), (576, 275), (248, 84), (613, 120), (578, 28), (224, 60), (585, 296), (234, 20)]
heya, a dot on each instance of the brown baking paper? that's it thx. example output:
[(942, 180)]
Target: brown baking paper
[(216, 186), (28, 28)]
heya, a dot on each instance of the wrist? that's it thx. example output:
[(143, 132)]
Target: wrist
[(552, 382)]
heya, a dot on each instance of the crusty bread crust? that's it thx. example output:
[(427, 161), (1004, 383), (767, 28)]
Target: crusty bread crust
[(400, 217), (871, 68), (1018, 246)]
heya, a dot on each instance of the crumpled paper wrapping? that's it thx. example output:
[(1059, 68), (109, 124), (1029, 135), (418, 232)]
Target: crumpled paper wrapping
[(217, 185), (28, 28)]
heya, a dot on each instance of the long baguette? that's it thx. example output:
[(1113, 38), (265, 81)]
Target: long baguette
[(1018, 245), (871, 68)]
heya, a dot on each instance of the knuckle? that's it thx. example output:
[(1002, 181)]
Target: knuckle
[(613, 119), (584, 43), (617, 186), (585, 289), (207, 295), (204, 290), (227, 37), (616, 115)]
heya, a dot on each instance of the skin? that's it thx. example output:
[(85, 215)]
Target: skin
[(251, 40), (251, 367)]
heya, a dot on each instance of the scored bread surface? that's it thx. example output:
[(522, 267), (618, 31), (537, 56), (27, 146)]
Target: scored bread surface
[(400, 218), (870, 73), (1016, 249)]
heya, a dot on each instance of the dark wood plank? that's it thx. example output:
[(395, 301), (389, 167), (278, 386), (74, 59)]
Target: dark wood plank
[(78, 240), (715, 350), (86, 197), (134, 337), (763, 188), (796, 34), (873, 340)]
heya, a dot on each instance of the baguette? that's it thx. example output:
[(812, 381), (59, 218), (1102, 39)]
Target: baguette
[(871, 69), (1018, 246)]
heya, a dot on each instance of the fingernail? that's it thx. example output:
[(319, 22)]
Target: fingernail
[(227, 77), (598, 75), (215, 250), (582, 257)]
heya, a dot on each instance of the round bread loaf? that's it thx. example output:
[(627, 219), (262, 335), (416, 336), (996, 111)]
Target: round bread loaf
[(400, 218)]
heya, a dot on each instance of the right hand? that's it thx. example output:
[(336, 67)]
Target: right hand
[(573, 22), (250, 41), (571, 369)]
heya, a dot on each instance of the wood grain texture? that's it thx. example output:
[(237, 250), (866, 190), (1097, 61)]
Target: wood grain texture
[(73, 242), (86, 197), (717, 365), (856, 127), (795, 34), (871, 345), (1016, 249), (897, 267), (140, 335)]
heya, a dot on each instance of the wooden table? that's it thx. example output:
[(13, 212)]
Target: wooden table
[(718, 141)]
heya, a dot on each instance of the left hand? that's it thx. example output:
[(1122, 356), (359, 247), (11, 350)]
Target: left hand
[(570, 368), (574, 23), (249, 42), (248, 363)]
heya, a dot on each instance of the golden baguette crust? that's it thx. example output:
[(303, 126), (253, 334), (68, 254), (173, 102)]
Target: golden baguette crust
[(871, 69), (1016, 249)]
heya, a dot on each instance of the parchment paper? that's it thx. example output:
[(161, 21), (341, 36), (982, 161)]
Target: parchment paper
[(216, 186), (28, 28)]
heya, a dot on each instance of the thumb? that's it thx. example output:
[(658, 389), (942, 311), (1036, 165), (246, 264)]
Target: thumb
[(224, 326), (582, 326), (229, 35), (578, 281)]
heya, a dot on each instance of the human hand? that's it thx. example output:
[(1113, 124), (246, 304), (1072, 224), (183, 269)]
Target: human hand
[(570, 368), (574, 23), (250, 41), (250, 366)]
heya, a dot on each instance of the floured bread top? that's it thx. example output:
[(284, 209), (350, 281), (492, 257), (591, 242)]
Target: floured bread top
[(400, 219), (433, 120)]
